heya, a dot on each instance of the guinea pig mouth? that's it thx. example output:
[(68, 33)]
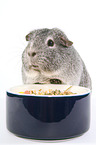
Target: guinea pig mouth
[(35, 67)]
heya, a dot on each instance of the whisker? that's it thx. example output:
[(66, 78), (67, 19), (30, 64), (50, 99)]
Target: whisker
[(44, 59), (42, 62)]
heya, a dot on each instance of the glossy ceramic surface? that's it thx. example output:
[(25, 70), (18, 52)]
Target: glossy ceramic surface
[(43, 117)]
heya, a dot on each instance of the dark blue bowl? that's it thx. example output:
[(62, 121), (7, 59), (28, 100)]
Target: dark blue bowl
[(48, 117)]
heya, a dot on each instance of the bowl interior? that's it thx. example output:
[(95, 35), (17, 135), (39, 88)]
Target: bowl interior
[(75, 89)]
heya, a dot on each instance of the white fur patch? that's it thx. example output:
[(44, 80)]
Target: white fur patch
[(31, 44), (31, 73), (50, 74)]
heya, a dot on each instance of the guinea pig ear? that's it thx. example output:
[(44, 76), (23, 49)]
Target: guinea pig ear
[(28, 37), (65, 42)]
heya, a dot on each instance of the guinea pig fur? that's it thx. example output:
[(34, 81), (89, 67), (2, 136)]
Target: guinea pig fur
[(51, 58)]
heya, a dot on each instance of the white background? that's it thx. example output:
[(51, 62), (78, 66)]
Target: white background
[(77, 18)]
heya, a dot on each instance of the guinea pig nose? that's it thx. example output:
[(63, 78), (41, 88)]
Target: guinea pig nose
[(34, 53), (31, 53)]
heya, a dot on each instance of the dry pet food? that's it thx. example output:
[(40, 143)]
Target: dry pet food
[(48, 92)]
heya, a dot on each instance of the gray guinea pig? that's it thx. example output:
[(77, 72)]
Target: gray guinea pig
[(51, 58)]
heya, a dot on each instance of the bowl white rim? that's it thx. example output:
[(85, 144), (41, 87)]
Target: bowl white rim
[(88, 91)]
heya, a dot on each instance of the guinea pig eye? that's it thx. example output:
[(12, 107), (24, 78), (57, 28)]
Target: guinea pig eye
[(50, 42)]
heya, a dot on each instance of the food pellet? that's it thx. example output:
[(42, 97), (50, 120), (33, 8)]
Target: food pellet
[(48, 92)]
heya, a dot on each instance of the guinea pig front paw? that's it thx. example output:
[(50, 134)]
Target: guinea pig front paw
[(55, 81), (38, 83)]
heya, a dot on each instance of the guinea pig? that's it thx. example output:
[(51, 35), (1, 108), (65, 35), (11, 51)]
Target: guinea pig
[(51, 58)]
